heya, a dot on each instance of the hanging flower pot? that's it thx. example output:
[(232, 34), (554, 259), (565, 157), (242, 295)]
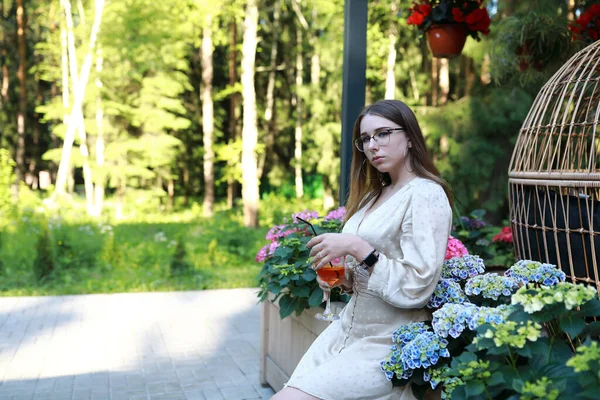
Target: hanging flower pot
[(446, 40), (446, 23)]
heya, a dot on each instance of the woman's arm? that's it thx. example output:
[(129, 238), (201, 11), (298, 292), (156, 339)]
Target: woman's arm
[(409, 281)]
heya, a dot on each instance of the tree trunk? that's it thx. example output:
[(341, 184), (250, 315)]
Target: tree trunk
[(444, 78), (269, 109), (22, 110), (171, 193), (5, 80), (76, 117), (32, 174), (570, 9), (207, 116), (470, 76), (298, 131), (100, 174), (434, 81), (390, 80), (234, 103), (250, 193), (486, 78)]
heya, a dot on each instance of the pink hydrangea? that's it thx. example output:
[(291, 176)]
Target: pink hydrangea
[(266, 251), (338, 213), (455, 248), (278, 232), (305, 215)]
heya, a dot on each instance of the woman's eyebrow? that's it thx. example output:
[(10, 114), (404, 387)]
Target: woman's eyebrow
[(377, 130)]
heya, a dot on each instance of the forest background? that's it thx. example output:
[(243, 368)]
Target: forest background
[(150, 145)]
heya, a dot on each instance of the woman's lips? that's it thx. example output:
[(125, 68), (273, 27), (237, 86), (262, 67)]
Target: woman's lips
[(377, 159)]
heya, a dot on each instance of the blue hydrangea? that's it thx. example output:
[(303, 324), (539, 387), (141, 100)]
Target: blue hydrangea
[(408, 332), (490, 315), (453, 319), (491, 286), (527, 271), (446, 291), (424, 351), (462, 268)]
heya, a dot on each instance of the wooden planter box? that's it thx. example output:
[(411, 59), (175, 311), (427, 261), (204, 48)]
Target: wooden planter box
[(284, 342)]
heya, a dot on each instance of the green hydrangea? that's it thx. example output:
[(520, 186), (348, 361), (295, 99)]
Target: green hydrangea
[(586, 358), (288, 269), (450, 385), (571, 295), (514, 334), (541, 389)]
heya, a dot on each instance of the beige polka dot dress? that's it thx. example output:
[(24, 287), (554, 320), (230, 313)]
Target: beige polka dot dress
[(411, 231)]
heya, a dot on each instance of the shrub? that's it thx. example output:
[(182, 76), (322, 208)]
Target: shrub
[(179, 265), (43, 265)]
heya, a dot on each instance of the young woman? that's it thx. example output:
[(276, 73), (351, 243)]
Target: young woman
[(394, 239)]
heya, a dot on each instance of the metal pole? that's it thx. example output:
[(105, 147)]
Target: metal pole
[(354, 82)]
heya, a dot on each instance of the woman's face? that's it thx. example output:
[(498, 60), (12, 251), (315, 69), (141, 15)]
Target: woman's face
[(388, 154)]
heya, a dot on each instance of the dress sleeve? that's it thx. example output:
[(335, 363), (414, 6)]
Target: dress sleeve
[(409, 281)]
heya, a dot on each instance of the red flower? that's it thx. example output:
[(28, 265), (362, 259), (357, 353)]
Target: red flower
[(415, 19), (458, 15), (505, 235), (425, 9), (595, 9), (479, 20)]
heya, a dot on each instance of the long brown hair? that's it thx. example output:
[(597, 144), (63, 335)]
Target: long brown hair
[(365, 181)]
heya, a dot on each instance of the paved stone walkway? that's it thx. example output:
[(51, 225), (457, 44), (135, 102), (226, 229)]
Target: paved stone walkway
[(153, 346)]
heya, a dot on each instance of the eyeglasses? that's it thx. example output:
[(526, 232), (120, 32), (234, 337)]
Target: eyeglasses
[(382, 138)]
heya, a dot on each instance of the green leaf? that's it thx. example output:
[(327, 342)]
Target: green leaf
[(593, 328), (287, 304), (572, 326), (525, 351), (496, 378), (589, 309), (475, 388), (517, 385), (274, 288), (316, 297), (309, 275), (460, 393), (284, 281), (301, 291)]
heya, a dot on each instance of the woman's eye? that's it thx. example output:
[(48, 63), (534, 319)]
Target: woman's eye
[(383, 134), (365, 139)]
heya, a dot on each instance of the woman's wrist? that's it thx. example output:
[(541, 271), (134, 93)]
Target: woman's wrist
[(361, 249)]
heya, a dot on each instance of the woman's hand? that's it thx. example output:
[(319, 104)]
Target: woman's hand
[(329, 246)]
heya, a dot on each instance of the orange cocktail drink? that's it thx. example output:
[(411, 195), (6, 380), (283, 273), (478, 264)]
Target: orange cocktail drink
[(331, 274)]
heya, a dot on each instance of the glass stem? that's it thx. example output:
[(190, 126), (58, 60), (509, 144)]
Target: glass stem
[(327, 302)]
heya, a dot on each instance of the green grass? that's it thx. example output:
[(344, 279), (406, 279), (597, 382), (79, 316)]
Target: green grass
[(135, 254)]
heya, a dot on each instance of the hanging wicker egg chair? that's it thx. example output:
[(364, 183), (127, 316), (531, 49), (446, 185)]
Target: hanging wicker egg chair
[(554, 175)]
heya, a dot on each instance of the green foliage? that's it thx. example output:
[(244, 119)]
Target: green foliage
[(472, 140), (179, 265), (287, 273), (484, 239), (530, 46), (529, 355), (43, 265), (7, 178)]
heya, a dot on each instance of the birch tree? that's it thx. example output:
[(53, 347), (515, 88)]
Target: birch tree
[(76, 116), (207, 115), (250, 193), (390, 79), (22, 110)]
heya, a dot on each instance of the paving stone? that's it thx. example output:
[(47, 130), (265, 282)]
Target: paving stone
[(150, 346)]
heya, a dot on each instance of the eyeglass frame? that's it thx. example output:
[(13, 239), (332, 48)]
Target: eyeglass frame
[(359, 139)]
